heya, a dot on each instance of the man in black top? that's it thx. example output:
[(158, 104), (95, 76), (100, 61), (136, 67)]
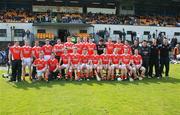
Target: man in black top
[(145, 52), (164, 57), (154, 59), (100, 47), (135, 46)]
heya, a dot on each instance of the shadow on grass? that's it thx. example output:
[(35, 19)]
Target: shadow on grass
[(40, 84)]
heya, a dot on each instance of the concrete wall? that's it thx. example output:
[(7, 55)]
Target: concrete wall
[(8, 26), (139, 29)]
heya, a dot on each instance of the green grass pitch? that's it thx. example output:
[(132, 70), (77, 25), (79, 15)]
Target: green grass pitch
[(147, 97)]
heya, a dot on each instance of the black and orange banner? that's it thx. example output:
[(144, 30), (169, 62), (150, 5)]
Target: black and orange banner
[(45, 35)]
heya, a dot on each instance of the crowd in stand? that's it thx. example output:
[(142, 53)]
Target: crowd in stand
[(22, 15)]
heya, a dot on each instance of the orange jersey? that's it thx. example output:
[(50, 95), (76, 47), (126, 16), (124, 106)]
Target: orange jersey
[(52, 63), (69, 46), (75, 58), (65, 58), (137, 59), (95, 59), (116, 58), (85, 44), (47, 49), (91, 47), (26, 51), (41, 63), (85, 58), (16, 52), (119, 47), (36, 50), (109, 47), (127, 47), (126, 58), (105, 58), (58, 49), (79, 47)]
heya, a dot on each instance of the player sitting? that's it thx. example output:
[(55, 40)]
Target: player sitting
[(85, 65), (116, 61), (94, 63), (65, 63), (126, 66), (41, 67), (106, 68), (53, 67), (139, 69), (75, 64)]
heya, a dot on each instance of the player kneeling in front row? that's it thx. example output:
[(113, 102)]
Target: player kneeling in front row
[(106, 68), (126, 66), (116, 65), (53, 67), (85, 65), (138, 69), (41, 67), (65, 60), (75, 64), (94, 65)]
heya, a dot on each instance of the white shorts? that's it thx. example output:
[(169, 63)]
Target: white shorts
[(75, 66), (138, 66), (105, 66), (86, 66), (121, 66), (178, 56), (27, 61), (47, 57), (40, 72), (63, 66), (115, 66), (94, 66)]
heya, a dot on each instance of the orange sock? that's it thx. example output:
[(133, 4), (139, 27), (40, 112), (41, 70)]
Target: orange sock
[(79, 74)]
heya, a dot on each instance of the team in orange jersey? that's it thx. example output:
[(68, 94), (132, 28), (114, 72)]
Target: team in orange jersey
[(77, 61)]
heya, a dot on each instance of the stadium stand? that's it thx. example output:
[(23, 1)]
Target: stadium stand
[(26, 16)]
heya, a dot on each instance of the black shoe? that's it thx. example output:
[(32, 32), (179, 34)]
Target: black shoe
[(11, 80), (19, 80)]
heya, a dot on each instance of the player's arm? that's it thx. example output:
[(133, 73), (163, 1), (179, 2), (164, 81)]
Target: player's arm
[(35, 64), (33, 53), (60, 60), (46, 66), (21, 54), (141, 62), (54, 49), (57, 67), (109, 63), (69, 61), (131, 61), (10, 56)]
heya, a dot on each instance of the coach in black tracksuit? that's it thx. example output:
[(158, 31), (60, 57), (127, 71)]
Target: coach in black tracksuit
[(145, 52), (100, 47), (164, 57), (154, 59)]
